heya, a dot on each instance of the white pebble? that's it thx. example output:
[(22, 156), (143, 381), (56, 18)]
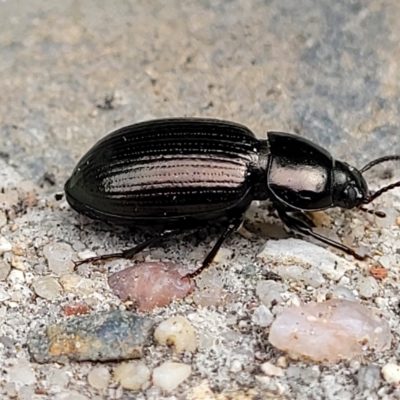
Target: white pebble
[(3, 219), (368, 287), (84, 255), (132, 376), (99, 377), (291, 252), (391, 373), (262, 316), (47, 287), (170, 375), (4, 295), (77, 284), (22, 373), (59, 258), (177, 331), (271, 370), (5, 245), (16, 277)]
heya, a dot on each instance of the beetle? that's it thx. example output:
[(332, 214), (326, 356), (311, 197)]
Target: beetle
[(183, 173)]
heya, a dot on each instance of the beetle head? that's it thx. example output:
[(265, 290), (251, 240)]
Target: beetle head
[(349, 188)]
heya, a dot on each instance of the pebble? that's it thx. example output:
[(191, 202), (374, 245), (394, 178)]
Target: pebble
[(269, 292), (4, 295), (271, 370), (262, 316), (391, 373), (59, 258), (16, 277), (150, 284), (368, 287), (5, 269), (84, 255), (77, 284), (58, 377), (178, 332), (5, 245), (331, 330), (47, 287), (70, 395), (132, 376), (369, 377), (292, 251), (169, 375), (22, 373), (112, 335), (3, 219), (99, 377)]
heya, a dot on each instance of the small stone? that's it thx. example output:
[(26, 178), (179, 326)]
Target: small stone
[(77, 284), (70, 395), (113, 335), (178, 332), (10, 390), (269, 292), (5, 269), (4, 295), (5, 245), (369, 377), (16, 277), (58, 377), (391, 373), (223, 255), (59, 258), (84, 255), (262, 316), (271, 370), (99, 377), (169, 375), (22, 373), (330, 330), (292, 251), (76, 308), (3, 219), (132, 376), (47, 287), (368, 287), (282, 362), (150, 284), (342, 292)]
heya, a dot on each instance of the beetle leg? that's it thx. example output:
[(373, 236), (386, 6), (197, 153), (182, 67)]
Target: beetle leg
[(230, 228), (130, 253), (304, 228)]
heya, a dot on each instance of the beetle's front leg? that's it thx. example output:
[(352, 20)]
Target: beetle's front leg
[(303, 227)]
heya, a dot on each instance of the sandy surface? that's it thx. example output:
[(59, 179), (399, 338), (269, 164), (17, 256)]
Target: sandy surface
[(71, 71)]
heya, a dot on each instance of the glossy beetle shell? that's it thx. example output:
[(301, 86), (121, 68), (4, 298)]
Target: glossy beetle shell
[(167, 170)]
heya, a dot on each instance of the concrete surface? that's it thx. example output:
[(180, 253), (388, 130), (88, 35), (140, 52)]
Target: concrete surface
[(71, 71)]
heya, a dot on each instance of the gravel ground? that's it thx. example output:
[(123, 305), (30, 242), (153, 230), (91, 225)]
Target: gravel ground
[(72, 71)]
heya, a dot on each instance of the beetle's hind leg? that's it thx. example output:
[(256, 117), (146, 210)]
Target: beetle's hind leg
[(305, 228), (130, 253)]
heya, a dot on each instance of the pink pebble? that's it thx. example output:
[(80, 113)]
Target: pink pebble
[(151, 284)]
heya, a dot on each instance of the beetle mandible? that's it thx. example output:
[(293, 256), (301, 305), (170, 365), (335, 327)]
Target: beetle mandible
[(182, 173)]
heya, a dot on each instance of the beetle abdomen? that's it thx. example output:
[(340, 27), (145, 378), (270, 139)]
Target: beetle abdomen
[(164, 170)]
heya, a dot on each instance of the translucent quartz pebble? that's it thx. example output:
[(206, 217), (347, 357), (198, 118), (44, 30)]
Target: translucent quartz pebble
[(330, 331)]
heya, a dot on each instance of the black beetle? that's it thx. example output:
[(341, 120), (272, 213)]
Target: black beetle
[(182, 173)]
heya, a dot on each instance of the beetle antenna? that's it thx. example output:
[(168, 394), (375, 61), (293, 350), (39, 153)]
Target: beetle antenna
[(379, 161), (379, 214), (379, 192)]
